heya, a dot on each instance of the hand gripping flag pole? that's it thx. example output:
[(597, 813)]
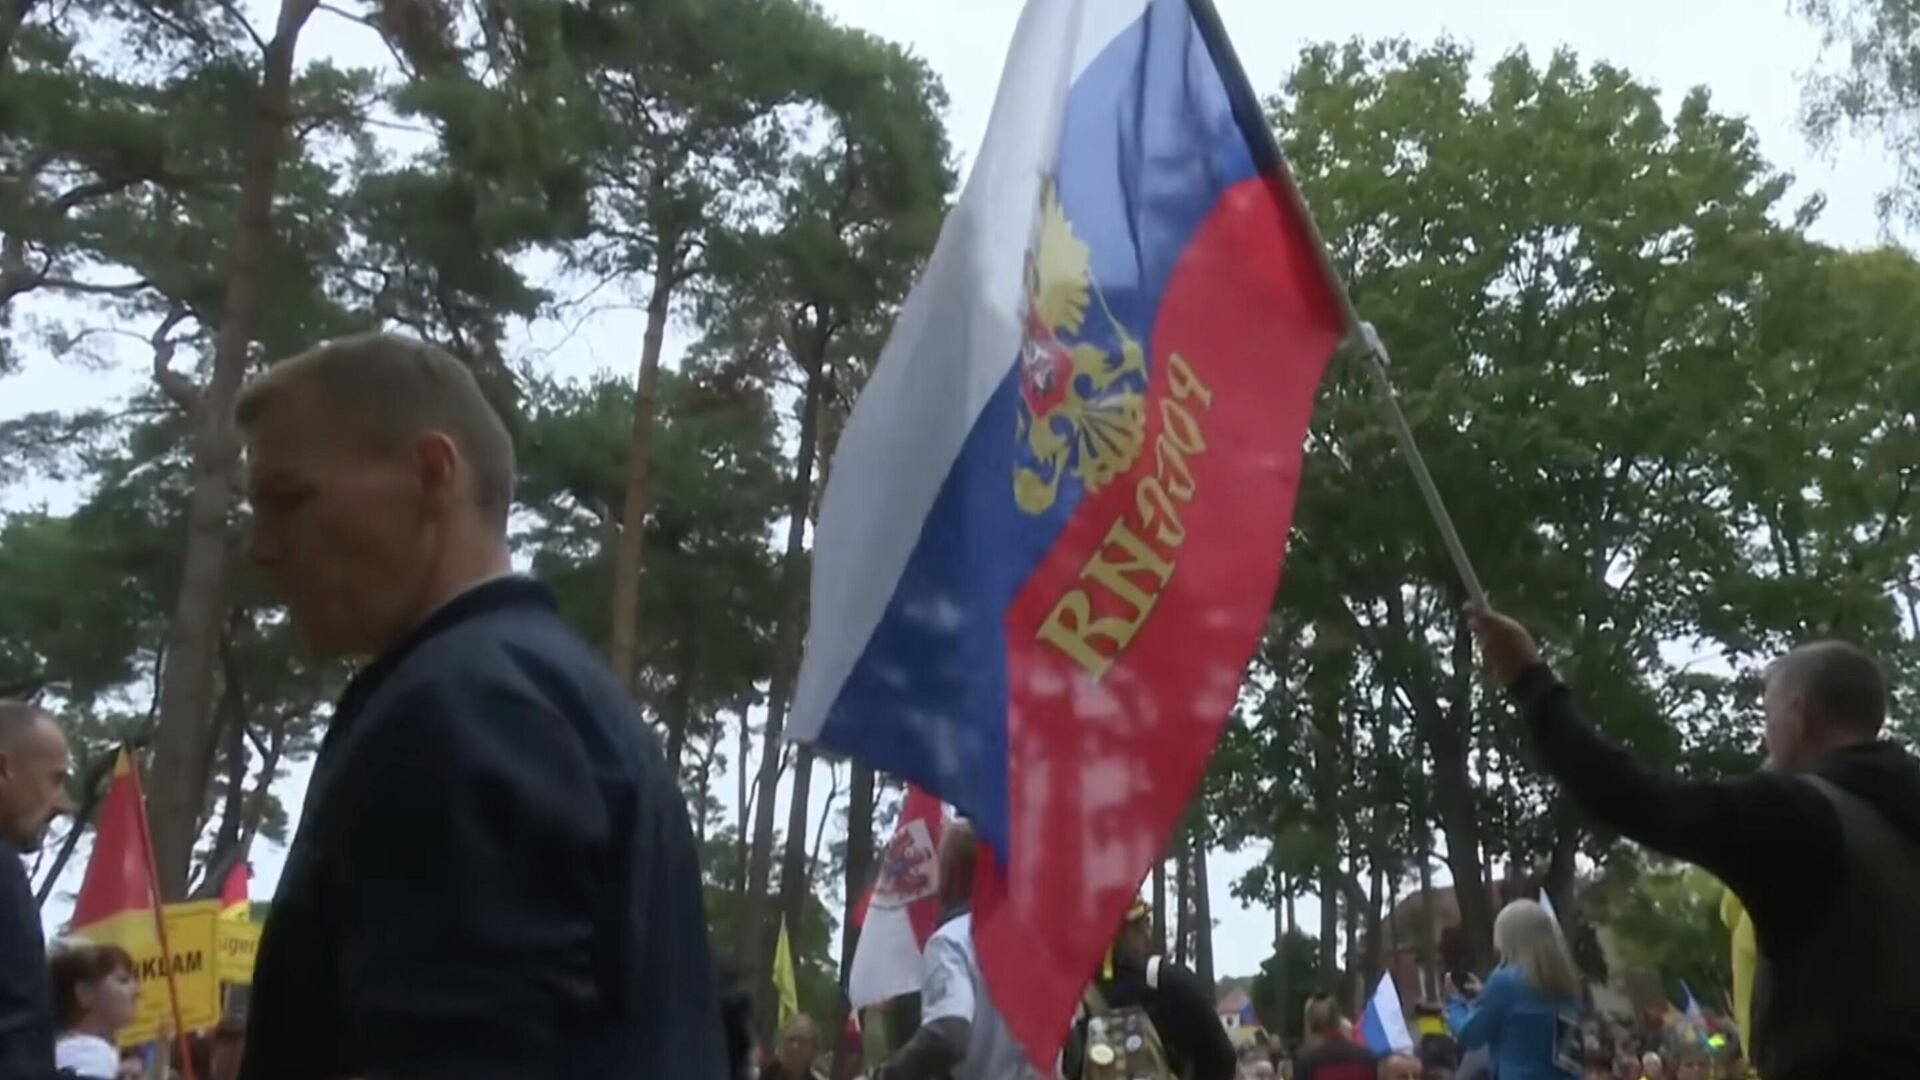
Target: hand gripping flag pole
[(1261, 139)]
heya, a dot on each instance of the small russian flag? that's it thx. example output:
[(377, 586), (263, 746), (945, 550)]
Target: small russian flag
[(1383, 1027)]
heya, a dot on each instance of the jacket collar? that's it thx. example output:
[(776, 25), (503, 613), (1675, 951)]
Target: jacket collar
[(499, 594)]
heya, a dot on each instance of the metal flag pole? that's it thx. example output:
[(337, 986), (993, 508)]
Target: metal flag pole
[(1272, 163)]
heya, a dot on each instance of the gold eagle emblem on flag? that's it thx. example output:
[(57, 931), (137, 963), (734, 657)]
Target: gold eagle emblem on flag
[(1082, 407)]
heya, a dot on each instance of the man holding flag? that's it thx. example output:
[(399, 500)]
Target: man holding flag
[(1056, 518), (961, 1036)]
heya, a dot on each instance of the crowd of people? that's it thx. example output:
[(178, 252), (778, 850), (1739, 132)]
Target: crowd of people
[(495, 875)]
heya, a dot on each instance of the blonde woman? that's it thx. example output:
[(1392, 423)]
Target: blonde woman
[(1528, 1013)]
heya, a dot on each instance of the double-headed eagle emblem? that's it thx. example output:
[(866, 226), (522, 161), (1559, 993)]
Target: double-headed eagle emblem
[(1082, 409)]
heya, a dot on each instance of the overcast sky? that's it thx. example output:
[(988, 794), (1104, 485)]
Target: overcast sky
[(1750, 53)]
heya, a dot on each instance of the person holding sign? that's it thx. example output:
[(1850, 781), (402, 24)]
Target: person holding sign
[(94, 994)]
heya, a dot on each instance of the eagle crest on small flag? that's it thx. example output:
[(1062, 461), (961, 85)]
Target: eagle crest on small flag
[(909, 869), (1081, 409)]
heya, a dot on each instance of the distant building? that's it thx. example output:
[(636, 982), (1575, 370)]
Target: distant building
[(1403, 930), (1237, 1016)]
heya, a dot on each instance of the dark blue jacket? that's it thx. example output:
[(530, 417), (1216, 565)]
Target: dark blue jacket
[(26, 1005), (494, 874)]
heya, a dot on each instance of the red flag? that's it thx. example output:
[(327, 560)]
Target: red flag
[(235, 903), (847, 1056), (119, 895)]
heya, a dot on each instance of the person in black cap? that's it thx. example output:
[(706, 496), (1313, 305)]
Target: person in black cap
[(1173, 998)]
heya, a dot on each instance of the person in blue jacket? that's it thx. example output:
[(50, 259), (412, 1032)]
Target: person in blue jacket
[(1527, 1014)]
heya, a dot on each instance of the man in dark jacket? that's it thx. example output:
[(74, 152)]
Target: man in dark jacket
[(33, 791), (1178, 1003), (1823, 848), (494, 875)]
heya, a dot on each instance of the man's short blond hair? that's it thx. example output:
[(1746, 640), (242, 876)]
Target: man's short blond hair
[(392, 389)]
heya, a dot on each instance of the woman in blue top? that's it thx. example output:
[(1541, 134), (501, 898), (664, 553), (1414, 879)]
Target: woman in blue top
[(1528, 1013)]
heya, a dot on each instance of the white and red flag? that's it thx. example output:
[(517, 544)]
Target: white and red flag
[(901, 911)]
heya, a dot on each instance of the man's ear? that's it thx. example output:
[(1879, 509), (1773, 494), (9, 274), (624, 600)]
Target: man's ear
[(437, 463)]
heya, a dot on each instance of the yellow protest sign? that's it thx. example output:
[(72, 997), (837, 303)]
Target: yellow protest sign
[(190, 940), (237, 941)]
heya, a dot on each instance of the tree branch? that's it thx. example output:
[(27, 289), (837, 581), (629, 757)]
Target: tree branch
[(177, 387)]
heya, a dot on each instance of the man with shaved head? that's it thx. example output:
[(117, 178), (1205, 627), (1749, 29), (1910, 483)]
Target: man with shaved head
[(33, 791), (494, 874), (1822, 847), (796, 1052)]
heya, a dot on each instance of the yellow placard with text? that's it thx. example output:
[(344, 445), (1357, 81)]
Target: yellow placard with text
[(236, 942), (192, 956)]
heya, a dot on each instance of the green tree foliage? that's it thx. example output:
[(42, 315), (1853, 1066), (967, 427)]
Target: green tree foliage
[(689, 136), (1641, 391), (710, 583), (167, 195), (86, 619), (1304, 977), (1665, 920), (1875, 89), (808, 297)]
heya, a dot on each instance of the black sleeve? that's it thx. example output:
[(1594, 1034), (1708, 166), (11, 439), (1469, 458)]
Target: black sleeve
[(1774, 841), (933, 1051), (467, 927), (26, 1017), (1186, 1018)]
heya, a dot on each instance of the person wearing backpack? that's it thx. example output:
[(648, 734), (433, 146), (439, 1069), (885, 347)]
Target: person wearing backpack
[(1145, 1017)]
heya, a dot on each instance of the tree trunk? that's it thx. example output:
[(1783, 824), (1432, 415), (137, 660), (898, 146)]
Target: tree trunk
[(859, 869), (795, 882), (826, 815), (754, 940), (745, 805), (1202, 920), (1183, 897), (233, 804), (1160, 905), (679, 709), (193, 635), (1354, 966), (1446, 736), (1329, 927), (1376, 950), (703, 784), (623, 637), (859, 877), (1281, 902), (1560, 869), (262, 786), (1429, 932)]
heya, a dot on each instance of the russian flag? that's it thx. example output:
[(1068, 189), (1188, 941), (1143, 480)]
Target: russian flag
[(1055, 521), (1383, 1027)]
